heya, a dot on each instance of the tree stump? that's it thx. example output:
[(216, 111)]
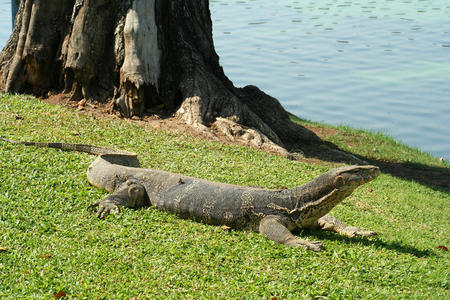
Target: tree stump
[(140, 54)]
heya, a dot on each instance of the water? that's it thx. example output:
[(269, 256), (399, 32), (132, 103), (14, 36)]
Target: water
[(5, 21), (382, 65)]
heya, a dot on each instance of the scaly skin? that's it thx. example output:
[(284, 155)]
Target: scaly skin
[(273, 213)]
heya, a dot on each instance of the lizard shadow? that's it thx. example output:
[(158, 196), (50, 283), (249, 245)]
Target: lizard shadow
[(437, 178), (375, 241)]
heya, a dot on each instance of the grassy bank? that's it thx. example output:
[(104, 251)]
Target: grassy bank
[(49, 243)]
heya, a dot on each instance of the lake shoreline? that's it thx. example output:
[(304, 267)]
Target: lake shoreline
[(305, 56)]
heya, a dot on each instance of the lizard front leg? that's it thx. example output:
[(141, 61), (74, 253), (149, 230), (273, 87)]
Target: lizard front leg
[(331, 223), (129, 194), (276, 228)]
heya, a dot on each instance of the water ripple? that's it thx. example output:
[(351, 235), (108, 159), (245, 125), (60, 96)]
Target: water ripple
[(381, 65)]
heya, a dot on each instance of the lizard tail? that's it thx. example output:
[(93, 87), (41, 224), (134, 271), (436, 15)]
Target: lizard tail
[(74, 147)]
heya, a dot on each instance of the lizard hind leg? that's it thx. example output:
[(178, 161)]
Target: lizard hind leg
[(276, 229), (331, 223)]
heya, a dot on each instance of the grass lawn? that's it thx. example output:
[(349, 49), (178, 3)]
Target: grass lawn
[(50, 244)]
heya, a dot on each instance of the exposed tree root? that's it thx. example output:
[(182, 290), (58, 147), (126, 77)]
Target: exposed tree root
[(248, 137)]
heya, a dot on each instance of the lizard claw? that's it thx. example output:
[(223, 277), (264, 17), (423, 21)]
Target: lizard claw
[(105, 208), (365, 233), (356, 231), (315, 246), (91, 207)]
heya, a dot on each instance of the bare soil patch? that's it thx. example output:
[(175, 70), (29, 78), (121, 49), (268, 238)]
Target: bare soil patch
[(323, 132)]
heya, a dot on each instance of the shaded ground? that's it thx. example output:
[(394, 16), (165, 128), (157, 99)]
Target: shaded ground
[(326, 153), (427, 175)]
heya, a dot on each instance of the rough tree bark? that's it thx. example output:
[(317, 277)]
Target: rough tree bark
[(140, 54)]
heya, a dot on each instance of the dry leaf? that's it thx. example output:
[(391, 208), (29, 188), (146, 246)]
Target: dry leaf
[(369, 189), (60, 294), (225, 227), (45, 255), (443, 248), (133, 298), (3, 249)]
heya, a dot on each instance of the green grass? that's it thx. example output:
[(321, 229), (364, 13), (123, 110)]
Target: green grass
[(54, 245), (375, 145)]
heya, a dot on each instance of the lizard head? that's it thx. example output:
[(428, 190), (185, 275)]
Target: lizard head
[(328, 190), (353, 176)]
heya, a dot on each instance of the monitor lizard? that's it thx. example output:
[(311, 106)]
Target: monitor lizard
[(272, 213)]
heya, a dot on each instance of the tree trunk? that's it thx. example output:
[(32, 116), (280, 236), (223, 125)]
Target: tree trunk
[(141, 54)]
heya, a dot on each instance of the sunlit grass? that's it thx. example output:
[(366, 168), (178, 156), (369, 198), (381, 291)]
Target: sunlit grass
[(50, 243)]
